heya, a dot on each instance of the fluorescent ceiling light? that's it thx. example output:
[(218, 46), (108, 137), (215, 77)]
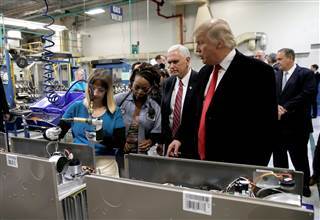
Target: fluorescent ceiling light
[(95, 11), (29, 24)]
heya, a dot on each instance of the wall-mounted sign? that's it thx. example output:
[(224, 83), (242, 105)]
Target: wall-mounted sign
[(116, 13)]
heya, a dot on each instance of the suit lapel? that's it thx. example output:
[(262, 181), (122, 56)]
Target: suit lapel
[(168, 98), (226, 76), (190, 88), (291, 80), (279, 76)]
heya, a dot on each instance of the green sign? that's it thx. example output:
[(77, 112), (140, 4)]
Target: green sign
[(135, 48)]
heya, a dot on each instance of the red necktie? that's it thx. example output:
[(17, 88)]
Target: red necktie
[(177, 109), (206, 103)]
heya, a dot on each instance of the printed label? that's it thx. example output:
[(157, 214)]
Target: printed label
[(12, 161), (197, 202)]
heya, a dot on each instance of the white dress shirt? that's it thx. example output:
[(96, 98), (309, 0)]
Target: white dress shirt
[(185, 82), (225, 63), (289, 73)]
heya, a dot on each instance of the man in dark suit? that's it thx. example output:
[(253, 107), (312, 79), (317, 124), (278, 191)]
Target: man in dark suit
[(4, 109), (229, 122), (272, 61), (174, 103), (314, 68), (296, 88), (260, 55)]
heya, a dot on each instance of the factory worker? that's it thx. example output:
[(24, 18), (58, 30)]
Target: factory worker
[(79, 86), (96, 119), (141, 113)]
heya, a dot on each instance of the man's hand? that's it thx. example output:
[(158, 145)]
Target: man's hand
[(281, 111), (145, 145), (173, 149), (53, 133)]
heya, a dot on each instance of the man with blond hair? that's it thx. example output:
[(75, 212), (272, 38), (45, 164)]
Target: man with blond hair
[(234, 108)]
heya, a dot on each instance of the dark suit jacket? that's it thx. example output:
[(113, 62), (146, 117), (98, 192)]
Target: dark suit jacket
[(168, 87), (4, 109), (317, 77), (241, 119), (275, 67), (296, 97)]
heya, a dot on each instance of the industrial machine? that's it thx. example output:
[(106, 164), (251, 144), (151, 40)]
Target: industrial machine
[(40, 148), (44, 179), (46, 182), (166, 188), (30, 188), (3, 142), (119, 69)]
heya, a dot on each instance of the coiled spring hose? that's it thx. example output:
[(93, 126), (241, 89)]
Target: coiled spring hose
[(46, 57)]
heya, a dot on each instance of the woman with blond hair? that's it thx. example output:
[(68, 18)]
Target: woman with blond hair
[(98, 104)]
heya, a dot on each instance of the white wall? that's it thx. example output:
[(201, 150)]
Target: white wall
[(108, 37), (293, 24)]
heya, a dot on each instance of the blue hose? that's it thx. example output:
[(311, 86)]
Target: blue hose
[(48, 79)]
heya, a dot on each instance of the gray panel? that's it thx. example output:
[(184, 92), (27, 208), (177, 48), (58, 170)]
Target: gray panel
[(3, 141), (196, 173), (84, 153), (28, 191), (75, 206), (110, 198)]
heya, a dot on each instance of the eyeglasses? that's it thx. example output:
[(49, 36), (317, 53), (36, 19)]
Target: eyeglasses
[(100, 90), (142, 89)]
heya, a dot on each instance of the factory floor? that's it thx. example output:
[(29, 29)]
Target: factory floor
[(315, 193), (314, 199)]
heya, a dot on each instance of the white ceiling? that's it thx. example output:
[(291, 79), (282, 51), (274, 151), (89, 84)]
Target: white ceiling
[(32, 9)]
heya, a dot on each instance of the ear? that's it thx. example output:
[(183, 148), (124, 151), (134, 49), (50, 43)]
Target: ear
[(220, 44)]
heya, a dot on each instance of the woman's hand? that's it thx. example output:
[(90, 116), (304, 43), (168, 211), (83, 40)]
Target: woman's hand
[(145, 145)]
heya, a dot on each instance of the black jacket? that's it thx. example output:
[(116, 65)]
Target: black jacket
[(168, 87), (296, 98), (241, 119), (4, 108)]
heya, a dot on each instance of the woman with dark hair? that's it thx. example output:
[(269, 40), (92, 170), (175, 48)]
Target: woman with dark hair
[(141, 114), (98, 104), (155, 92), (135, 65)]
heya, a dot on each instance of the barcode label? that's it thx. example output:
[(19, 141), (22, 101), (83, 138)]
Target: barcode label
[(197, 202), (12, 161)]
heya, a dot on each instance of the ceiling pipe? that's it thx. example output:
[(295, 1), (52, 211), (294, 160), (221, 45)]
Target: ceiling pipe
[(180, 16)]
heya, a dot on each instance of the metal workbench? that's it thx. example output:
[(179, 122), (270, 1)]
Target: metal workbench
[(144, 195)]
